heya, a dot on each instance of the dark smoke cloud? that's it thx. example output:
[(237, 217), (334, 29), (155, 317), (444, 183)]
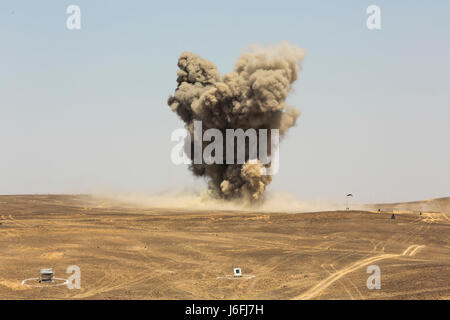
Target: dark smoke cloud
[(252, 96)]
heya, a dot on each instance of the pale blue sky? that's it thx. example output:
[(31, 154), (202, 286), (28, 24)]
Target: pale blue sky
[(85, 111)]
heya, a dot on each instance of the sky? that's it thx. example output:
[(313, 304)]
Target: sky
[(85, 111)]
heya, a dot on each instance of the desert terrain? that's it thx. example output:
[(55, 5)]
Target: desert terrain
[(131, 252)]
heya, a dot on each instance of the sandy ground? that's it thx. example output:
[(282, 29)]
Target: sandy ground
[(126, 252)]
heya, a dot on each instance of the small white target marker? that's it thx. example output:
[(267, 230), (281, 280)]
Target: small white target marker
[(237, 274)]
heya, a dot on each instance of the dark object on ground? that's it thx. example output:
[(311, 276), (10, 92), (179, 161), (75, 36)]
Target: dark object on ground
[(46, 275)]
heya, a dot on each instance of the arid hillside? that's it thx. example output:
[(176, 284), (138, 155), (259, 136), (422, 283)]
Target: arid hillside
[(127, 252)]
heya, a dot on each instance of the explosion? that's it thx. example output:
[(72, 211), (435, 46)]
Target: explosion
[(251, 97)]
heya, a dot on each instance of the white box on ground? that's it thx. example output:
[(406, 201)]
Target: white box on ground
[(46, 275)]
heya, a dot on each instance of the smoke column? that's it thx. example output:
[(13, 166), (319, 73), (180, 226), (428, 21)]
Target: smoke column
[(252, 96)]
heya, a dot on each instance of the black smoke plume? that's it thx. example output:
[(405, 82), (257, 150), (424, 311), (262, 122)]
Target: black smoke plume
[(252, 96)]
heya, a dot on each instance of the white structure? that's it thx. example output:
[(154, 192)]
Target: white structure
[(237, 272), (46, 275)]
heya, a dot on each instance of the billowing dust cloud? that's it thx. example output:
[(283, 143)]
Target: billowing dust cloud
[(196, 200), (252, 96)]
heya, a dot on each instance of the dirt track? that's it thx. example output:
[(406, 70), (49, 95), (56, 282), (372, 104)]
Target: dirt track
[(126, 252)]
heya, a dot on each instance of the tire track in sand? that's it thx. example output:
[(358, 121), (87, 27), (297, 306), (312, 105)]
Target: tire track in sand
[(340, 281), (440, 207), (322, 285)]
